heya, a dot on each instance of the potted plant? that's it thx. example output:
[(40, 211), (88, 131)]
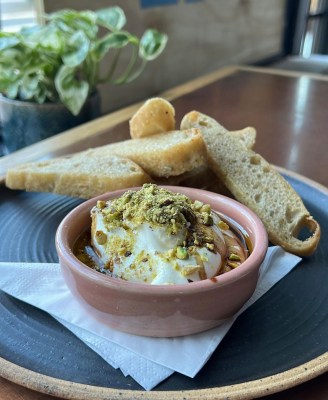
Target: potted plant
[(49, 74)]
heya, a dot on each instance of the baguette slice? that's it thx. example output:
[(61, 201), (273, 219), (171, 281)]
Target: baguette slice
[(162, 155), (246, 135), (257, 184), (79, 175)]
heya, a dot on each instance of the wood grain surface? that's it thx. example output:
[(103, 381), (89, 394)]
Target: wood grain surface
[(287, 109)]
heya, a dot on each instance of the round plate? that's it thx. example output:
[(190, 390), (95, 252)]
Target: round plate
[(278, 342)]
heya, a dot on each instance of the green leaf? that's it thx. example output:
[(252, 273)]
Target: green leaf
[(112, 18), (77, 49), (115, 40), (29, 87), (11, 57), (72, 92), (8, 40), (152, 44), (71, 20), (46, 39), (31, 37), (52, 39), (9, 81), (12, 90), (8, 74), (40, 96)]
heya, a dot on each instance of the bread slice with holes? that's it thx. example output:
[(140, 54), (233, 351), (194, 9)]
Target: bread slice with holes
[(80, 175), (258, 185), (203, 177), (162, 155)]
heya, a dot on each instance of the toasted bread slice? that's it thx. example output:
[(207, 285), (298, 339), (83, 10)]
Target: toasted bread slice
[(79, 175), (257, 184), (203, 177), (156, 115), (162, 155), (246, 135)]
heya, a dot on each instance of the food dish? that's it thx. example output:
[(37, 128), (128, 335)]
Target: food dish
[(251, 179), (162, 310), (155, 236), (294, 320)]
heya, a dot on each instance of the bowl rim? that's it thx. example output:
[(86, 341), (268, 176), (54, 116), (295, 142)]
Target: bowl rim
[(249, 265)]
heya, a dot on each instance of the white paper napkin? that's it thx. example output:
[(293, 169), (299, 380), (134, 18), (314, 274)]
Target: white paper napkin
[(147, 360)]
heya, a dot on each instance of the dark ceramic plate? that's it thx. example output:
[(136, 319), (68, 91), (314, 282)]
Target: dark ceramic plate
[(286, 328)]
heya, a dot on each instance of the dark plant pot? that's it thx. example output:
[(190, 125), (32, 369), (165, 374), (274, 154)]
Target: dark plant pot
[(24, 123)]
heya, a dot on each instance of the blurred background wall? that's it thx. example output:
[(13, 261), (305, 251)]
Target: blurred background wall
[(203, 36)]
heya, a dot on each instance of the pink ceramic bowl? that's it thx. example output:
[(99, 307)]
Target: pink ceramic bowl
[(162, 310)]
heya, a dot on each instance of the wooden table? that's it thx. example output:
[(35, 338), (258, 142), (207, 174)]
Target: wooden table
[(289, 112)]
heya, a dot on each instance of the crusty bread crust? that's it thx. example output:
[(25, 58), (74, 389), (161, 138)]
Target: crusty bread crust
[(78, 175), (155, 116), (257, 184)]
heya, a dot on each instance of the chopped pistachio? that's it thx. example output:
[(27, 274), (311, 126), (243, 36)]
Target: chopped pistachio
[(101, 204), (206, 209), (196, 240), (233, 264), (111, 217), (234, 257), (210, 246), (204, 258), (192, 250), (190, 269), (182, 253), (157, 206), (222, 225), (152, 204), (170, 253), (198, 205), (177, 267), (208, 219), (101, 237)]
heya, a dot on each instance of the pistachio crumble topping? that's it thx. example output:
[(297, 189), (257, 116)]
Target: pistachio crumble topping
[(156, 236), (158, 206)]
